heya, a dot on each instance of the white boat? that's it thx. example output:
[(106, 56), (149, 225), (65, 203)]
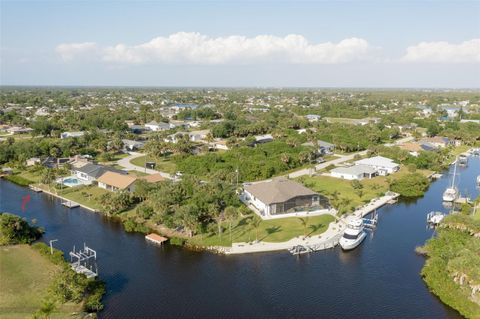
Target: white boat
[(451, 193), (435, 218), (353, 235), (478, 180), (462, 160)]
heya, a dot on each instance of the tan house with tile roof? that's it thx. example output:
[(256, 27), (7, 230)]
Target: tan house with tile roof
[(114, 181)]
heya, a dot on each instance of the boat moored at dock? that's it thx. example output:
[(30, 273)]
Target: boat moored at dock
[(451, 193), (353, 235), (435, 218)]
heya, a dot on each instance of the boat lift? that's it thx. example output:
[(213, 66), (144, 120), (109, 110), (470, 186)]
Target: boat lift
[(371, 223), (84, 261), (434, 218)]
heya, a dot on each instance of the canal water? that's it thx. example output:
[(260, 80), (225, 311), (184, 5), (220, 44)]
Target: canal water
[(380, 279)]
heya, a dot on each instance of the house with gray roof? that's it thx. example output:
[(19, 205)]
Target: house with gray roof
[(323, 148), (90, 172), (281, 197), (131, 145)]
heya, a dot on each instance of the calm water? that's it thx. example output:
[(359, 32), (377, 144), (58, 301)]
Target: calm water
[(380, 279)]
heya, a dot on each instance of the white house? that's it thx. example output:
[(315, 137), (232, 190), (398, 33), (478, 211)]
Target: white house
[(33, 161), (155, 126), (261, 139), (313, 117), (90, 172), (281, 197), (355, 172), (384, 166), (71, 134), (194, 136)]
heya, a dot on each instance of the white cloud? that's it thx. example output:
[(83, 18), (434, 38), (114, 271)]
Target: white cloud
[(71, 51), (444, 52), (195, 48)]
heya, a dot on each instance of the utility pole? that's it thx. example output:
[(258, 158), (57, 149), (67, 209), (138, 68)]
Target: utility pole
[(51, 245)]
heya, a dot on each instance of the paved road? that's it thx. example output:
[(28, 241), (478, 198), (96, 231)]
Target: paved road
[(342, 159), (125, 162)]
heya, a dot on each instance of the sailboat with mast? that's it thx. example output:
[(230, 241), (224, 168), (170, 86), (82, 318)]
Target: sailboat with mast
[(451, 193)]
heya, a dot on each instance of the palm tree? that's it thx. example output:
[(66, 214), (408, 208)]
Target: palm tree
[(231, 214), (217, 215), (304, 222), (255, 222), (285, 158)]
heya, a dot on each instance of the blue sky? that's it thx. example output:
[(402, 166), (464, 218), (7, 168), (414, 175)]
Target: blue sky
[(281, 43)]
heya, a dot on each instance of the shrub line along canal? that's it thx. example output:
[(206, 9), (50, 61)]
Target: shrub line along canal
[(380, 279)]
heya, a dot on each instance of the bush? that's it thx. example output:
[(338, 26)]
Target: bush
[(132, 226), (177, 241), (15, 230), (410, 185), (44, 249), (19, 180)]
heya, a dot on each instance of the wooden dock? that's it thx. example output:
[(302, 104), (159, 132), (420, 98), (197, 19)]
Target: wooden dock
[(156, 239)]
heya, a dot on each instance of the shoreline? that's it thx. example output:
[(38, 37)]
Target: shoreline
[(327, 240), (63, 198)]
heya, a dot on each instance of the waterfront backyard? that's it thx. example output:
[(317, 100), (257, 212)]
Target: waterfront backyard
[(275, 230), (25, 280), (346, 195)]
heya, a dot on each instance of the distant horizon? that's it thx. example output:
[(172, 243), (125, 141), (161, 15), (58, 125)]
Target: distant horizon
[(306, 44), (238, 87)]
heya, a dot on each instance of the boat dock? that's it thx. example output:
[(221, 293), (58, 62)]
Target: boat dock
[(70, 204), (156, 239), (36, 189), (84, 261), (463, 200), (389, 197)]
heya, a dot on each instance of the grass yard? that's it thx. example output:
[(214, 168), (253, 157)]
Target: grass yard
[(24, 281), (163, 165), (277, 230), (32, 175), (372, 188), (85, 195)]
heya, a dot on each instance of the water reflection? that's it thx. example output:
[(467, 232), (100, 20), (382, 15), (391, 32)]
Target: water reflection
[(380, 279)]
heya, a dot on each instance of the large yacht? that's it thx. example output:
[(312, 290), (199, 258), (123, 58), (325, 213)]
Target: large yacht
[(353, 235), (451, 193)]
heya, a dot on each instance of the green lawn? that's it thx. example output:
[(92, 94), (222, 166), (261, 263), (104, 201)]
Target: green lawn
[(277, 230), (33, 175), (372, 188), (163, 165), (85, 195), (24, 281)]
